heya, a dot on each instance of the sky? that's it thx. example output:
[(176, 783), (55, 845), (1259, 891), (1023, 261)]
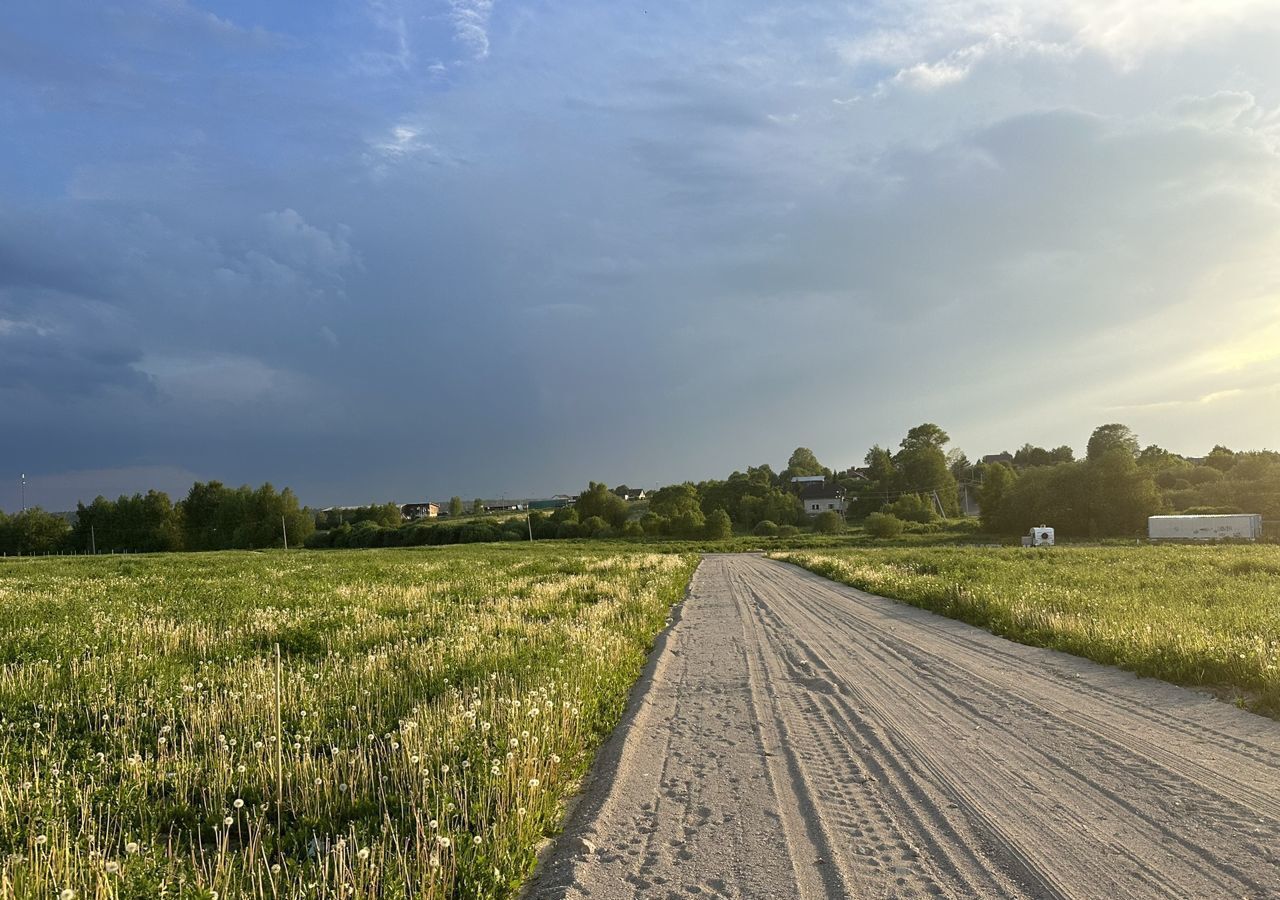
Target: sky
[(403, 249)]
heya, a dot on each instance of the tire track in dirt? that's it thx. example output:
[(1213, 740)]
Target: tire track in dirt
[(797, 738)]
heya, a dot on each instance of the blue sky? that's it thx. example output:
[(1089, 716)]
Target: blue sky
[(386, 250)]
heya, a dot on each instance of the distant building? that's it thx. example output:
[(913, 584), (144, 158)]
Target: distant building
[(505, 506), (633, 494), (808, 479), (559, 501), (992, 458), (822, 497), (412, 511)]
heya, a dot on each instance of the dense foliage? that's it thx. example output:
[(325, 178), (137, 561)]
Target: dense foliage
[(1191, 615), (1117, 486), (436, 708)]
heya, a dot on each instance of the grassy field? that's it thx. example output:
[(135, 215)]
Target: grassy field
[(1192, 615), (436, 706)]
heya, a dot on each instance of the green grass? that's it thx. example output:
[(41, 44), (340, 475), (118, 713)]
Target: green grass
[(1206, 616), (437, 706)]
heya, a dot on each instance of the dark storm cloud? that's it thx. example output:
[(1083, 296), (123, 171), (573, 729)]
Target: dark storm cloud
[(384, 250)]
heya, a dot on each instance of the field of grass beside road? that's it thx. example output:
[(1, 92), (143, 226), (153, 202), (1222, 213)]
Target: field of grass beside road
[(1201, 616), (436, 708)]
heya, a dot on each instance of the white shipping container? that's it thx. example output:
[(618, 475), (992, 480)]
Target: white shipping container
[(1243, 526)]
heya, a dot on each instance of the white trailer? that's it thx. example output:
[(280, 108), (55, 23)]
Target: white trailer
[(1040, 536), (1242, 526)]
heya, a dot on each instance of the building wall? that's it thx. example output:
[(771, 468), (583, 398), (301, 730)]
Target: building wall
[(823, 504)]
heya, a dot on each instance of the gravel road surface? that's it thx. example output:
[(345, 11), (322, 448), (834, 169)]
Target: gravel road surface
[(793, 737)]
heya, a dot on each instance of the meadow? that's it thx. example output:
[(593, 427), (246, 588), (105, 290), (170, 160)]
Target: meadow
[(1194, 615), (427, 715)]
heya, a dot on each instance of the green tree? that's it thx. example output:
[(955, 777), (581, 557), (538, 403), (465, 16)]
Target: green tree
[(718, 526), (1111, 437), (880, 465), (477, 507), (997, 479), (674, 500), (921, 467), (884, 525), (828, 522), (803, 462), (925, 437), (1220, 458), (33, 531), (455, 507), (598, 500)]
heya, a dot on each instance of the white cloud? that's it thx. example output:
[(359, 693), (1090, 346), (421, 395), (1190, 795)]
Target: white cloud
[(934, 42), (470, 20)]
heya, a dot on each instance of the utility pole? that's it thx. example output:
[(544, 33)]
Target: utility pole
[(284, 531), (24, 491), (528, 519), (93, 540)]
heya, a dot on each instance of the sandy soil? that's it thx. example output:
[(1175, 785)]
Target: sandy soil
[(796, 738)]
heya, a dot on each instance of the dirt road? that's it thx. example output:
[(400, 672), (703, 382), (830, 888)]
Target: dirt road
[(797, 738)]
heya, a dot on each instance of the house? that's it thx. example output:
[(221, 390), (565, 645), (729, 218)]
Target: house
[(633, 494), (426, 510), (994, 458), (819, 498)]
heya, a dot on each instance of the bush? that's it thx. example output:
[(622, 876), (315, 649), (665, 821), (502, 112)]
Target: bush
[(788, 531), (632, 530), (913, 508), (884, 525), (655, 525), (595, 526), (569, 530), (829, 522), (766, 529), (719, 526)]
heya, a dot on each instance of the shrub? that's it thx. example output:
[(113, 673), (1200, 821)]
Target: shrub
[(632, 530), (913, 508), (766, 529), (829, 522), (719, 526), (884, 525), (788, 531), (595, 526), (569, 530)]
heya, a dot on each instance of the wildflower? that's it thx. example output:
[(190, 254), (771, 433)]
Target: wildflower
[(533, 782), (434, 824), (227, 821), (364, 853), (131, 847), (342, 788), (275, 868), (112, 866), (67, 894), (443, 841), (476, 840), (238, 803), (42, 838)]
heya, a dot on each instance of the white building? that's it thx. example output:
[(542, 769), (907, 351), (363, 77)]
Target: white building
[(819, 498)]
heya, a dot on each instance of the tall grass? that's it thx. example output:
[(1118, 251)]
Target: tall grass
[(1191, 615), (435, 707)]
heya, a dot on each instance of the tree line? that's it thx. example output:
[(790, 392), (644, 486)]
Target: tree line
[(211, 517), (1118, 484)]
